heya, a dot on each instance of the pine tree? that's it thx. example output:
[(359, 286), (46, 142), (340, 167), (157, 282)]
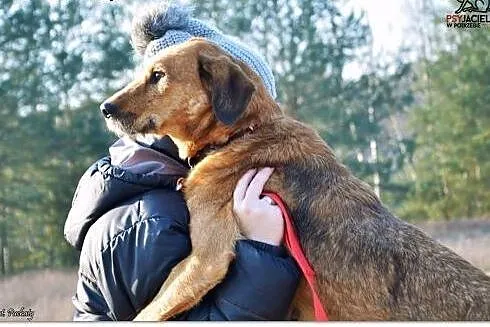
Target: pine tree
[(453, 134)]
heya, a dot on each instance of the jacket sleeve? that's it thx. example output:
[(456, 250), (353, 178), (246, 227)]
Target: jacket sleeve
[(117, 279), (260, 285)]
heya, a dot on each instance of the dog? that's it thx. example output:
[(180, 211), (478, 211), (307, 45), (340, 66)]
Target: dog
[(369, 264)]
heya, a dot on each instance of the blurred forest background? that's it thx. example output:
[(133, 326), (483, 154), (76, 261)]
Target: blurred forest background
[(414, 124)]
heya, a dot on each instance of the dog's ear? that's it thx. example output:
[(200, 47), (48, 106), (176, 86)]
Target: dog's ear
[(229, 88)]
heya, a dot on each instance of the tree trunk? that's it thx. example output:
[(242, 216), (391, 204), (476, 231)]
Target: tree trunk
[(3, 249)]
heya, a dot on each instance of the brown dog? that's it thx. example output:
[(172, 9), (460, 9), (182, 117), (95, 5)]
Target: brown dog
[(369, 264)]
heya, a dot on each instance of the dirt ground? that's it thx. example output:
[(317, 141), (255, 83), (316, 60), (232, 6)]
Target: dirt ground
[(48, 292)]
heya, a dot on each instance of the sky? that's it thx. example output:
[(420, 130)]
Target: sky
[(396, 23), (388, 20)]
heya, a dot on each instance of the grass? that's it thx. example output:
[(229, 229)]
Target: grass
[(48, 292), (469, 238)]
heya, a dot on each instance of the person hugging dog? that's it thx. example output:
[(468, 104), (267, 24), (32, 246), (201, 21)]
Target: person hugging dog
[(132, 228)]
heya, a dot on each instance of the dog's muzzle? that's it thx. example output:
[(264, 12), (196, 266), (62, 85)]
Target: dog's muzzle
[(108, 109), (121, 122)]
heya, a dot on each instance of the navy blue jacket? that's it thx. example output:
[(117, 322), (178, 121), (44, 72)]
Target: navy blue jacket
[(132, 230)]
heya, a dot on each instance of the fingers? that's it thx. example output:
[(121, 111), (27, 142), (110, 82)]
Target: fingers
[(257, 184), (242, 185), (268, 200)]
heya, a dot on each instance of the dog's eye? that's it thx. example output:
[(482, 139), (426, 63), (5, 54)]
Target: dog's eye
[(156, 76)]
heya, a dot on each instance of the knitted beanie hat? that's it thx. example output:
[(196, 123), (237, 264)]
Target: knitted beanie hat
[(162, 25)]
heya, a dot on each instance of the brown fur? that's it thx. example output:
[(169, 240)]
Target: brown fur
[(370, 265)]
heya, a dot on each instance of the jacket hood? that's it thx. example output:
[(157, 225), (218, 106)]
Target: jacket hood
[(131, 169)]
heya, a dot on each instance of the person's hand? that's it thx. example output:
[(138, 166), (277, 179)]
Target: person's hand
[(259, 217)]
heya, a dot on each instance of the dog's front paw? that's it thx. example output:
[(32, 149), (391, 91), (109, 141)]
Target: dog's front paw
[(150, 313)]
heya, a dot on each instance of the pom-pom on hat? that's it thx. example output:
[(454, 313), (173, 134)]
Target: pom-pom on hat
[(162, 25)]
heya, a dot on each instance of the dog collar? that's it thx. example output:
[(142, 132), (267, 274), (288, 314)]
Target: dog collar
[(201, 154)]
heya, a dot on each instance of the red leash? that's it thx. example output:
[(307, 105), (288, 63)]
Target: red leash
[(292, 243)]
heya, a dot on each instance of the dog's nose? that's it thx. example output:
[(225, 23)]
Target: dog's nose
[(108, 109)]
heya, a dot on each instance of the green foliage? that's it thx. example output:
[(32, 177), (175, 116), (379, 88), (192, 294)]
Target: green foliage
[(50, 70), (452, 158)]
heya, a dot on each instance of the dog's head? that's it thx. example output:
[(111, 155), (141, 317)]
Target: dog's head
[(193, 92)]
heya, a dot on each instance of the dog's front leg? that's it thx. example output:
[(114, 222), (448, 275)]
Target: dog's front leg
[(191, 280), (213, 241)]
